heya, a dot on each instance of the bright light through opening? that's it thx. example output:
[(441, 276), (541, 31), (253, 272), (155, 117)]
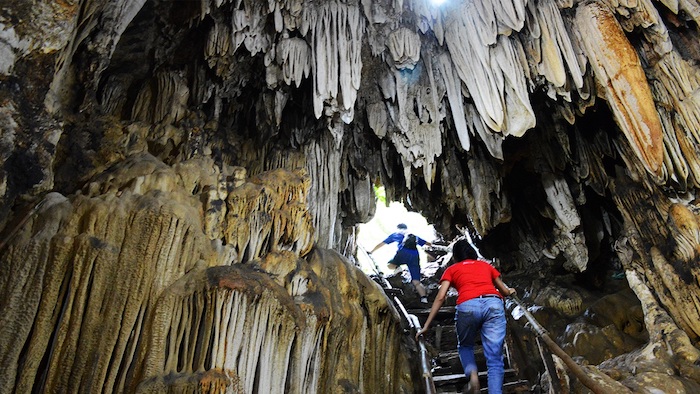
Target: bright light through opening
[(384, 223), (437, 2)]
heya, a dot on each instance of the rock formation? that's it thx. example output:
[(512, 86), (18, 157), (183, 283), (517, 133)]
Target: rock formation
[(181, 181)]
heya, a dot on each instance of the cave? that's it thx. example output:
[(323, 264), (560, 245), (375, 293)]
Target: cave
[(181, 185)]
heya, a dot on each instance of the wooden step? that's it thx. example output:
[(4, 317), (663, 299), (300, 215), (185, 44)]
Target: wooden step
[(445, 311), (455, 386), (460, 376)]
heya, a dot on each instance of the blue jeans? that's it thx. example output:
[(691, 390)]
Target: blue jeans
[(488, 316)]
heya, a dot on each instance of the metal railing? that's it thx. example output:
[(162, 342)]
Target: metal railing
[(576, 369), (414, 324)]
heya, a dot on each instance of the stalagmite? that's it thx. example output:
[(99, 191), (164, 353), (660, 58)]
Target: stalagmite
[(661, 327), (172, 317)]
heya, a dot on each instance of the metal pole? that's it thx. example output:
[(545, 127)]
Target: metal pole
[(424, 358), (414, 323), (582, 376)]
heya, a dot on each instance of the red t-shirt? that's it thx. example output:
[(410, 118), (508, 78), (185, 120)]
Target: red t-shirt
[(472, 278)]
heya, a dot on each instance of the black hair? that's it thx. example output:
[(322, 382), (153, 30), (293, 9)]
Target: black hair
[(401, 226), (463, 250)]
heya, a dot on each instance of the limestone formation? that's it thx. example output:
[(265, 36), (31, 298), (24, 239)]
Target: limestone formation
[(120, 288), (173, 169)]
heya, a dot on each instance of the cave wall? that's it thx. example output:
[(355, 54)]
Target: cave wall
[(167, 279), (562, 133)]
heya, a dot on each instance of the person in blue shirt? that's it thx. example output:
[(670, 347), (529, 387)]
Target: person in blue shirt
[(407, 254)]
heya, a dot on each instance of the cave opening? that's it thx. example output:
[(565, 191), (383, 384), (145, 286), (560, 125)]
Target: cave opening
[(387, 216)]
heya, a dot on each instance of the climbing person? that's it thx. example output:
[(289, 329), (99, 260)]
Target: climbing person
[(407, 253), (480, 292)]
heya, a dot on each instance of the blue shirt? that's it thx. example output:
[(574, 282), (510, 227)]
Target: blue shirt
[(398, 237)]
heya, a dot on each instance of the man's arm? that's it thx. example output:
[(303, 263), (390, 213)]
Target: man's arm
[(379, 245), (437, 304), (423, 242), (502, 288)]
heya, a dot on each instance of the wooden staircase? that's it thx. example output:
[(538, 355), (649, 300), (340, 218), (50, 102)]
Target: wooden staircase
[(448, 375)]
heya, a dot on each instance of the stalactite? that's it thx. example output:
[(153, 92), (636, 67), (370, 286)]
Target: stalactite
[(377, 118), (567, 220), (404, 47), (676, 86), (616, 68), (558, 52), (484, 181), (361, 201), (218, 51), (418, 140), (121, 14), (511, 13), (454, 97), (589, 159), (336, 40), (492, 58), (293, 54), (248, 28), (470, 55), (454, 193), (691, 8), (520, 116), (323, 165), (430, 18), (493, 141), (165, 102)]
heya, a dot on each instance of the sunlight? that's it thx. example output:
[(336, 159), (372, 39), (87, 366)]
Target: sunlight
[(383, 224)]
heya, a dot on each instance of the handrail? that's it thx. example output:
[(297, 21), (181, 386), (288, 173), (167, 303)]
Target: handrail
[(414, 323), (570, 363), (425, 365), (376, 267), (428, 381)]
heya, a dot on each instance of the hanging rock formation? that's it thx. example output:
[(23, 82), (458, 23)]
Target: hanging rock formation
[(175, 172)]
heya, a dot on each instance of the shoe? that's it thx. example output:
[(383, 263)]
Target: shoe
[(424, 300)]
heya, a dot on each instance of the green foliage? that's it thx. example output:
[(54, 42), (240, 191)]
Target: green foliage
[(380, 194)]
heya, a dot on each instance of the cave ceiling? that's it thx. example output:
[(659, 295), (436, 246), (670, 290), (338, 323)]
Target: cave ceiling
[(563, 133), (472, 113)]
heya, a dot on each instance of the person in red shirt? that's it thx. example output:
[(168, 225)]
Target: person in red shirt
[(479, 309)]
